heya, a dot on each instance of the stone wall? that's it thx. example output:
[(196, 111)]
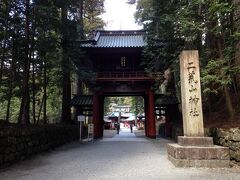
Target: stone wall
[(228, 138), (18, 143), (224, 137)]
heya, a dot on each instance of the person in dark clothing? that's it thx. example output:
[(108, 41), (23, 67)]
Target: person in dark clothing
[(131, 127), (118, 128)]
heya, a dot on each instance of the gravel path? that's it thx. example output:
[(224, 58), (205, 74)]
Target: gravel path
[(122, 157)]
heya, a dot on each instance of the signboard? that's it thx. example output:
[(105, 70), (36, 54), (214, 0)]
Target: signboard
[(90, 131), (81, 118), (90, 128)]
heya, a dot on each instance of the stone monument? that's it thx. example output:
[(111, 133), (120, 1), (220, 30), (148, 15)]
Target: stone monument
[(193, 149)]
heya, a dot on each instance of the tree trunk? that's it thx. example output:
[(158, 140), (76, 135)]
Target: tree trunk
[(33, 71), (66, 84), (33, 91), (78, 83), (40, 110), (24, 109), (4, 46), (45, 92), (9, 102), (10, 90), (226, 89), (81, 35), (66, 97), (2, 60), (80, 19), (236, 24)]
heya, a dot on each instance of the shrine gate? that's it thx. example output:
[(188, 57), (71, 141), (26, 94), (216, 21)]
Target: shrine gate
[(115, 59)]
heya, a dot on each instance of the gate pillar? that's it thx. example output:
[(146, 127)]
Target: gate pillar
[(151, 130), (96, 116)]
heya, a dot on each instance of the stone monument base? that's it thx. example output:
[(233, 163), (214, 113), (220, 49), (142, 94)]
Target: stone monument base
[(198, 152)]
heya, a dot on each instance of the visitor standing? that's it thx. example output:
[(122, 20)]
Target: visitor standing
[(131, 127), (118, 127)]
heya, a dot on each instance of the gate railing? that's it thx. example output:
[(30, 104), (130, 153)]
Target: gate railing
[(137, 74)]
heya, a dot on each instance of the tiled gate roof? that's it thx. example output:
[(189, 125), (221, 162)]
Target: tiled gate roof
[(116, 39), (82, 100)]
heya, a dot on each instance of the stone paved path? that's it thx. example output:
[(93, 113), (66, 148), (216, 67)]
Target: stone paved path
[(122, 157)]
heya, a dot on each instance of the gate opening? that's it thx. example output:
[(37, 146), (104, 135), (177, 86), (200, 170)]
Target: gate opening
[(123, 115)]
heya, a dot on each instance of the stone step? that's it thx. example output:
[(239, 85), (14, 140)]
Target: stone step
[(194, 156), (195, 141)]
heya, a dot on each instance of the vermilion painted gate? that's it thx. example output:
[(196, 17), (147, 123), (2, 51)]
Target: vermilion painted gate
[(115, 58)]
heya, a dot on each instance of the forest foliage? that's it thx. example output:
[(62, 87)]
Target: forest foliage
[(35, 66), (210, 26), (135, 102)]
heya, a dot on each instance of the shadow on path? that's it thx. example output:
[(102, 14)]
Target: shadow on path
[(122, 157)]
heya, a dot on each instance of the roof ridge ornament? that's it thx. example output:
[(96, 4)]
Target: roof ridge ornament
[(97, 36)]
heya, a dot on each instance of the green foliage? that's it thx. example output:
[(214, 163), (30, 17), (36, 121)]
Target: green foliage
[(143, 14), (159, 19), (211, 26), (43, 37), (91, 15), (215, 75), (14, 110), (135, 102), (137, 105)]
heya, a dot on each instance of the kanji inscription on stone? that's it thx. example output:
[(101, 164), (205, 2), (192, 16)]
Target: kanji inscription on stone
[(191, 94)]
